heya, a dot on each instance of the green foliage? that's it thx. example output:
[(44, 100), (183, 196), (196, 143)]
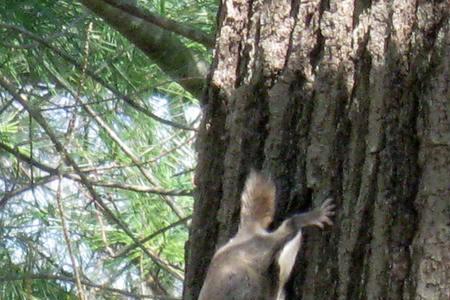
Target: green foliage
[(8, 126), (59, 57)]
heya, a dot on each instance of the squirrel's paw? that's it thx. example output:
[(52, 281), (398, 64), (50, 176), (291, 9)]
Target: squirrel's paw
[(324, 212)]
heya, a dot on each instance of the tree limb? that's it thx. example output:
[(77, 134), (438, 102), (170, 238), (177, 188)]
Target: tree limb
[(165, 23), (162, 47)]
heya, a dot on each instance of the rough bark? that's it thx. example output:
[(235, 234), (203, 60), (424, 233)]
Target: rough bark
[(348, 99)]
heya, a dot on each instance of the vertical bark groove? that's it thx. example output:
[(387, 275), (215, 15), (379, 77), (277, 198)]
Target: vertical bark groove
[(203, 230)]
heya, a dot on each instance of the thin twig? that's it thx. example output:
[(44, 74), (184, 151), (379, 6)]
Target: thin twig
[(37, 182), (70, 106), (151, 236), (183, 172), (142, 189), (80, 293), (99, 217)]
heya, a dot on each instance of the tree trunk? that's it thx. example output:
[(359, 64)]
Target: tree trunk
[(348, 99)]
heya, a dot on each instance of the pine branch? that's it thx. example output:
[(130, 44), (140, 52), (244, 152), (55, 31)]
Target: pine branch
[(128, 100), (53, 174), (115, 138), (84, 282), (36, 115)]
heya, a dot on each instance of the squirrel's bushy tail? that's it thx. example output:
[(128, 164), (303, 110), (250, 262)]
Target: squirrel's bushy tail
[(257, 201)]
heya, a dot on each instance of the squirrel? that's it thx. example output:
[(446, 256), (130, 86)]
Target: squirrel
[(241, 269)]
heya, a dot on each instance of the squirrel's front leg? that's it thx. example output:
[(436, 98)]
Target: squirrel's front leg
[(317, 217)]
